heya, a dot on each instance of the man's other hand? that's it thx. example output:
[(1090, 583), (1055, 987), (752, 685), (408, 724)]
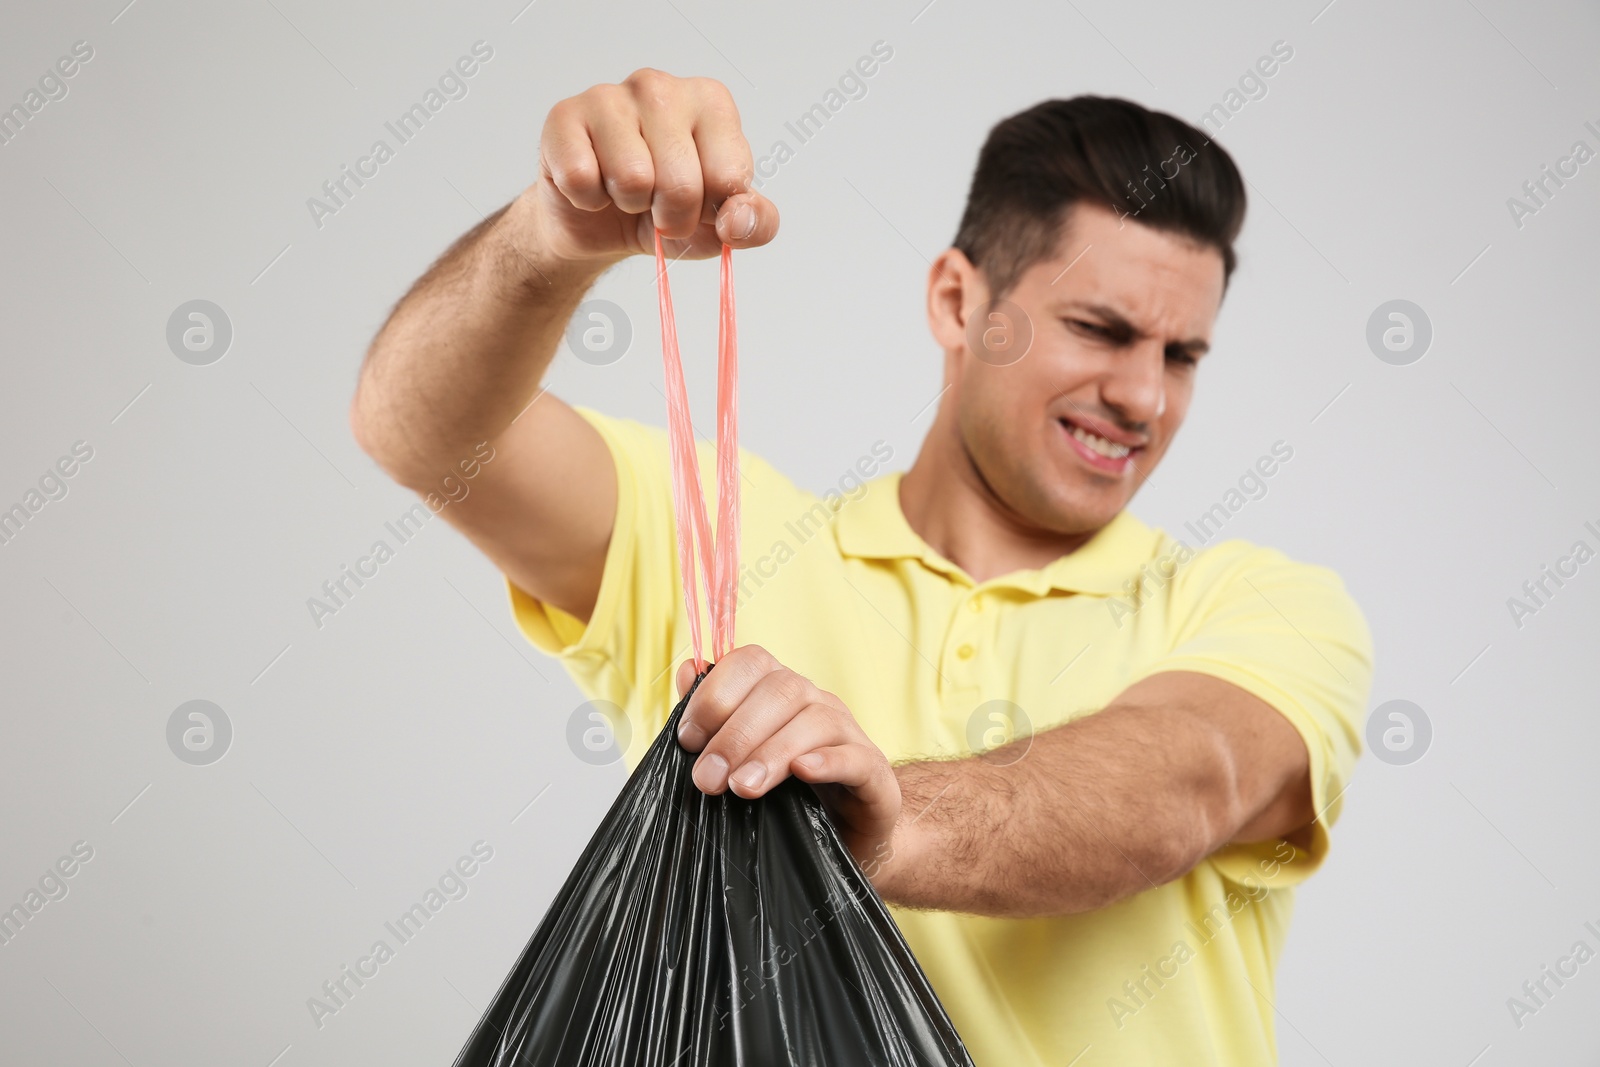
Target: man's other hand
[(755, 723)]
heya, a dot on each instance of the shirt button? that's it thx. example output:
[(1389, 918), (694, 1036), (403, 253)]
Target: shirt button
[(965, 651), (975, 604)]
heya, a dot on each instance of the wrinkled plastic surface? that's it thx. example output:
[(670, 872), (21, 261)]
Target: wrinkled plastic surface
[(711, 931)]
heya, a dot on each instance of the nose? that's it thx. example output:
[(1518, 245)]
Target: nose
[(1135, 386)]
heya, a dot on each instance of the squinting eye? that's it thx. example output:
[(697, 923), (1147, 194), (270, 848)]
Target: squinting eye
[(1182, 359), (1088, 327)]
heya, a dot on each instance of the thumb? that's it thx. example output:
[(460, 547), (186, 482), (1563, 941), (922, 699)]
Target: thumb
[(685, 676), (747, 220)]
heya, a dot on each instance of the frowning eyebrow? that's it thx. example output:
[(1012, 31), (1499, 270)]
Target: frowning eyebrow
[(1125, 332)]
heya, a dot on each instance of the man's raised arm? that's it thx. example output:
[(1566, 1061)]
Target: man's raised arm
[(457, 367)]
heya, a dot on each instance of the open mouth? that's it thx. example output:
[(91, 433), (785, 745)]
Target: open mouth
[(1099, 452)]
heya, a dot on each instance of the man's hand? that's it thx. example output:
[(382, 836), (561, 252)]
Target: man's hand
[(657, 151), (456, 370), (755, 722)]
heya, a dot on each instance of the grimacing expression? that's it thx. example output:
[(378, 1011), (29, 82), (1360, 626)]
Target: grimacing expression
[(1120, 315)]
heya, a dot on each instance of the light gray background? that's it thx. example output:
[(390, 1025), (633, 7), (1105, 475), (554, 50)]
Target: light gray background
[(371, 753)]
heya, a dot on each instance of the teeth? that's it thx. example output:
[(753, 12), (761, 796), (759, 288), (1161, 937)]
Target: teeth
[(1108, 449)]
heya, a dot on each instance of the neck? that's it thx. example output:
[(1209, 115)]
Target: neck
[(948, 503)]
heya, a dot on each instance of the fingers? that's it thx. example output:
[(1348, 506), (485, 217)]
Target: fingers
[(666, 118), (668, 150), (627, 166), (816, 726), (756, 723), (567, 155), (744, 219), (721, 692), (858, 784), (736, 726), (850, 765), (751, 716), (724, 153)]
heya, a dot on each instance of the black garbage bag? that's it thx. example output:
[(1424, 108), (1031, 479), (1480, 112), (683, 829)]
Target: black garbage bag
[(712, 931)]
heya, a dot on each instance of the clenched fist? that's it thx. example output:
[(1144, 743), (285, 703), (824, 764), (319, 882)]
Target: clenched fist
[(655, 152)]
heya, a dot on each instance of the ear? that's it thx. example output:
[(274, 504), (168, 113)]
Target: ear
[(955, 288)]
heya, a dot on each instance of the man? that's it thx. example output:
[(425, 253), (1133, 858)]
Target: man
[(1086, 762)]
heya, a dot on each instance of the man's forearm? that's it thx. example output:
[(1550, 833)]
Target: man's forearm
[(1088, 813), (465, 349)]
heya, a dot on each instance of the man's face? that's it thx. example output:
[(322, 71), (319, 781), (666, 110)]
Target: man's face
[(1065, 435)]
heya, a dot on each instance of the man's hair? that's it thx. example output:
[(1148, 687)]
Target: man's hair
[(1146, 165)]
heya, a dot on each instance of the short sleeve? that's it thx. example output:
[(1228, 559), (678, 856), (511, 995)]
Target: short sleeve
[(626, 651), (1290, 634)]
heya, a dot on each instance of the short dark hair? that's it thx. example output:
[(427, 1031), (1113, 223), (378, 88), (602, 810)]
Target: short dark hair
[(1035, 165)]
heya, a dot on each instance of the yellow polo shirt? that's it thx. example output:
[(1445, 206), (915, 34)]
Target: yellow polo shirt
[(843, 591)]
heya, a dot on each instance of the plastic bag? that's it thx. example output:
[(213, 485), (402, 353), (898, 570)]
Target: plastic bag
[(708, 930), (712, 931)]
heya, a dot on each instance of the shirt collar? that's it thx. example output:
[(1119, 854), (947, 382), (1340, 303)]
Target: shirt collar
[(872, 526)]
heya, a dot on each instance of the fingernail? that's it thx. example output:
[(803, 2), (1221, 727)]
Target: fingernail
[(744, 221), (691, 736), (750, 777), (810, 761), (712, 774)]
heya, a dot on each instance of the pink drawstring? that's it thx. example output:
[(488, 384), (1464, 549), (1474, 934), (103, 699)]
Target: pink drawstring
[(719, 562)]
